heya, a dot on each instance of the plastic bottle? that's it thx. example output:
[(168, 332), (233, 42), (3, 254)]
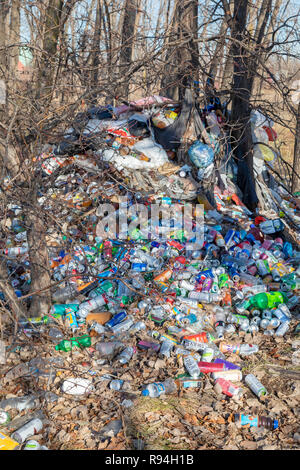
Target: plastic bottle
[(208, 354), (242, 349), (205, 297), (80, 342), (68, 292), (108, 348), (156, 389), (265, 300), (17, 251), (166, 348), (2, 353), (126, 355), (97, 328), (123, 326), (255, 421), (191, 366), (232, 375), (21, 403), (220, 324), (86, 307), (282, 329), (116, 384)]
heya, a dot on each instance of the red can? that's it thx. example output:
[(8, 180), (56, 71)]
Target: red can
[(208, 367), (228, 388), (199, 337)]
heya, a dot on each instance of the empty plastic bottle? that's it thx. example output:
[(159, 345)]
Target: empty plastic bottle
[(191, 366), (220, 324), (86, 307), (264, 301), (68, 344), (255, 421), (156, 389), (126, 355)]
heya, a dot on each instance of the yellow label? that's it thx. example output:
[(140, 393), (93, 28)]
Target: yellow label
[(6, 443)]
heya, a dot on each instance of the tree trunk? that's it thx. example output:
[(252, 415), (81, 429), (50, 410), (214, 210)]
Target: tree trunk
[(127, 42), (182, 58), (39, 262), (50, 46), (4, 62), (241, 140), (96, 54), (296, 163)]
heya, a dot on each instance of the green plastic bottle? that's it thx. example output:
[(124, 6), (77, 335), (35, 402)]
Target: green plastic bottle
[(265, 300), (68, 344)]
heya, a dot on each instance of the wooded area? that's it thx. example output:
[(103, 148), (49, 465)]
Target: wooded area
[(64, 61)]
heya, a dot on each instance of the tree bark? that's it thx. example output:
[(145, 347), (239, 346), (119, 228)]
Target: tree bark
[(296, 163), (127, 42), (52, 31)]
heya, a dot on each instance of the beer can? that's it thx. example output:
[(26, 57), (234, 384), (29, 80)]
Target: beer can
[(29, 429), (228, 388), (233, 375), (255, 386), (32, 445), (208, 355)]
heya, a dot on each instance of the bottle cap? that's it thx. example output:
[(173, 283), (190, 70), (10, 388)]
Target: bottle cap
[(275, 425), (145, 393)]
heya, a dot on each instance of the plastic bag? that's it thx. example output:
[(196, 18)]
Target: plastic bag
[(201, 155), (263, 152), (158, 157)]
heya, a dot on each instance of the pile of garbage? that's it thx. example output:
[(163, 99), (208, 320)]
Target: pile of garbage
[(125, 291)]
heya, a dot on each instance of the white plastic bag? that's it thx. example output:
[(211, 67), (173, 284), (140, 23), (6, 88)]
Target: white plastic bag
[(77, 386)]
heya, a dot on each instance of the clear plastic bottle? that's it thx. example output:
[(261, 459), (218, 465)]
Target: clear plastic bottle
[(156, 389), (191, 366), (86, 307), (123, 326), (205, 297), (2, 352), (68, 292), (100, 329), (108, 348), (116, 384), (21, 403), (282, 329), (126, 355), (139, 326), (16, 251), (166, 348), (220, 324)]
